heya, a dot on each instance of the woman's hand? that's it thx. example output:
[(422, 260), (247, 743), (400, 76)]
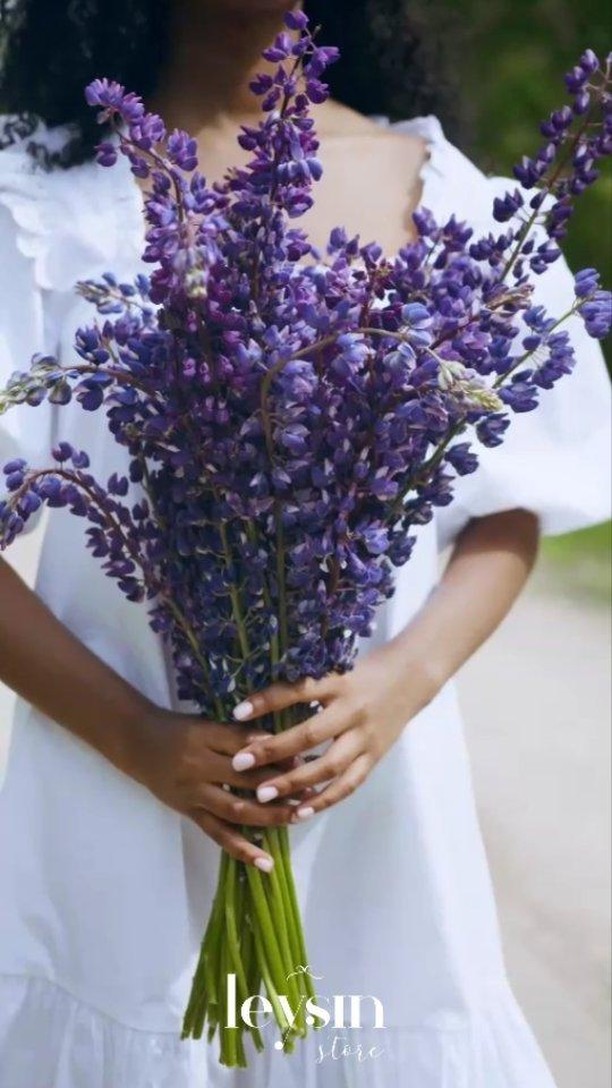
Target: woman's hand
[(186, 761), (364, 712)]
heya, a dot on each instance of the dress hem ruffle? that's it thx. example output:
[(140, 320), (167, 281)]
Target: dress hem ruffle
[(49, 1039)]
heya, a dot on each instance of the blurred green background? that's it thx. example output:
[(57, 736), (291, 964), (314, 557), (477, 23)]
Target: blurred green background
[(517, 53), (510, 58)]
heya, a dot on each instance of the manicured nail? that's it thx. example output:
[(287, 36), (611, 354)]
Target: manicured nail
[(243, 761), (267, 793), (243, 710), (265, 864), (305, 813)]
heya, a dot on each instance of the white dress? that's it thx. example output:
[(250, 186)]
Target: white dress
[(104, 892)]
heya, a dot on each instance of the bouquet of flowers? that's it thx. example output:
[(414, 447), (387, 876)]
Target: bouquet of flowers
[(288, 418)]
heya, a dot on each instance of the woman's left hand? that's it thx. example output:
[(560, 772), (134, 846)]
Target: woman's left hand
[(363, 713), (365, 710)]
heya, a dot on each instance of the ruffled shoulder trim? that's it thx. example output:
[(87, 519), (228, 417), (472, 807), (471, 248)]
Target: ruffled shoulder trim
[(452, 183), (69, 222)]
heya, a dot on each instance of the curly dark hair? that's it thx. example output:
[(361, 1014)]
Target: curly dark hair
[(395, 60)]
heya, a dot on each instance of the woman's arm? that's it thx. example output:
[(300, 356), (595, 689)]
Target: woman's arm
[(183, 760), (366, 709), (44, 663)]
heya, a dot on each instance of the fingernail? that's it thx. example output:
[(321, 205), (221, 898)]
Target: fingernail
[(243, 710), (305, 813), (267, 793), (265, 864), (243, 761)]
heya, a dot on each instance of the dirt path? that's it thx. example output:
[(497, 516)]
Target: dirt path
[(537, 703)]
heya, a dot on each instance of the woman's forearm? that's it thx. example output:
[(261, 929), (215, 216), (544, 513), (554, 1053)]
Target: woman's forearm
[(44, 663), (184, 761), (488, 568)]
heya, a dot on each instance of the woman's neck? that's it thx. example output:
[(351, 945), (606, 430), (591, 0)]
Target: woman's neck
[(215, 51)]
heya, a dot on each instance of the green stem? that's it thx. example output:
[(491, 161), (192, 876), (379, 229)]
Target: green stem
[(236, 956), (229, 1055), (282, 919), (265, 926), (283, 867), (280, 576), (272, 992), (204, 989), (234, 596)]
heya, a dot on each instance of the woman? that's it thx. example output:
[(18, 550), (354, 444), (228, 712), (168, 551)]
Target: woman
[(113, 807)]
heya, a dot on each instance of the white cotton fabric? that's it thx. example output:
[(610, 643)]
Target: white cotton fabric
[(104, 892)]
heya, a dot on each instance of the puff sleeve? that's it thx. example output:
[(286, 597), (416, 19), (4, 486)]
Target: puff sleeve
[(555, 460), (26, 324)]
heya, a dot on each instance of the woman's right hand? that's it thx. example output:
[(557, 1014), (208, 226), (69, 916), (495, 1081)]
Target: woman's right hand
[(186, 761)]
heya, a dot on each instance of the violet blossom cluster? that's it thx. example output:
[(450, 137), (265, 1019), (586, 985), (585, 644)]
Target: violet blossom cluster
[(289, 417)]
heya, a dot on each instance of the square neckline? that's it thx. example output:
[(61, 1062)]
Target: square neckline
[(426, 126)]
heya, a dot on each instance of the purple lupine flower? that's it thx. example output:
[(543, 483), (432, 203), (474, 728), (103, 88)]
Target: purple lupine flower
[(491, 429), (587, 84), (182, 150), (596, 312), (586, 281)]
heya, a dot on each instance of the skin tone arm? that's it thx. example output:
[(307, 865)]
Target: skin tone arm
[(365, 710), (183, 760)]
